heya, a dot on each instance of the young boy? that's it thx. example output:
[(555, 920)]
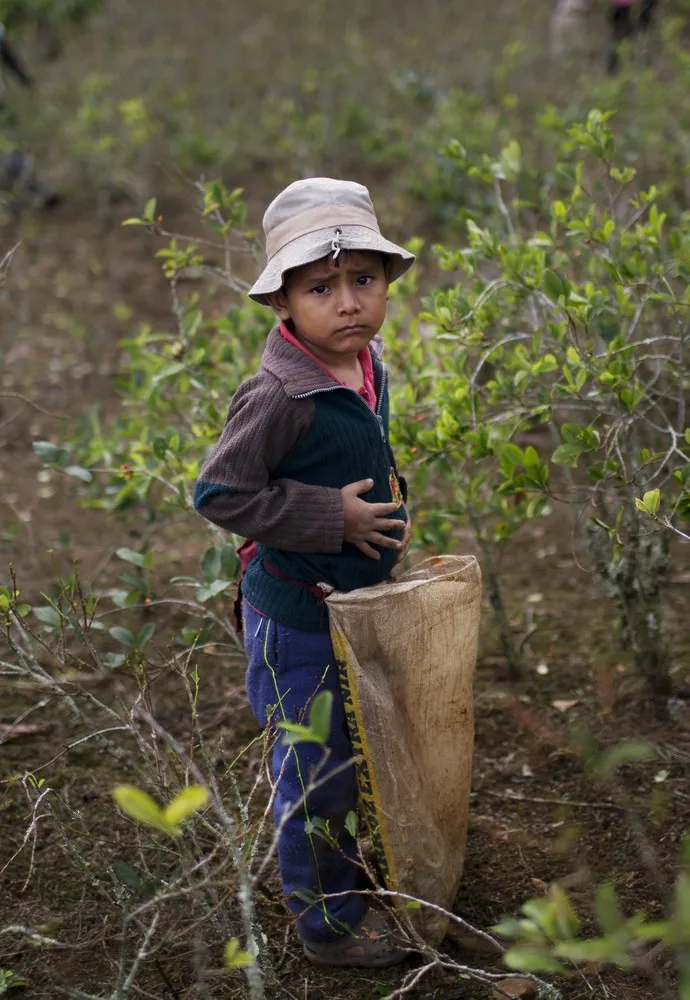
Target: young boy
[(304, 468)]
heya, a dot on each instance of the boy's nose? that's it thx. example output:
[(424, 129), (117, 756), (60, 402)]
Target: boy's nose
[(347, 301)]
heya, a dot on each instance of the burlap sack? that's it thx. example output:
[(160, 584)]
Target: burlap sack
[(406, 654)]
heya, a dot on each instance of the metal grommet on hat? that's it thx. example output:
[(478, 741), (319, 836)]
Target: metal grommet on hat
[(314, 218)]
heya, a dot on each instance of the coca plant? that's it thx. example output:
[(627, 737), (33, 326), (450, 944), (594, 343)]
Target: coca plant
[(175, 387), (571, 318)]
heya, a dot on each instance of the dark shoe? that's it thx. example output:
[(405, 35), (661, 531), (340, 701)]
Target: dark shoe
[(372, 944)]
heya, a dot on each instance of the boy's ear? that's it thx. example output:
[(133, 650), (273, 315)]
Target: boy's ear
[(278, 303)]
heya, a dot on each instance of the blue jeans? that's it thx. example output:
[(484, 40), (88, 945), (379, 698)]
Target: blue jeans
[(287, 666)]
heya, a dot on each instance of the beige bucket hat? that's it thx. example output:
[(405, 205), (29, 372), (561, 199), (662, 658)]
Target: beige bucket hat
[(316, 217)]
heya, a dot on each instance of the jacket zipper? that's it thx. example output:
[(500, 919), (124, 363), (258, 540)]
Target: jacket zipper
[(379, 402)]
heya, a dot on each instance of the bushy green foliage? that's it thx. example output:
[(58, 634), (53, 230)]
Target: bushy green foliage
[(564, 318), (550, 936), (570, 320)]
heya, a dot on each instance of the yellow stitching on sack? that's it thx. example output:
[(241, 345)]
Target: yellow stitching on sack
[(369, 797)]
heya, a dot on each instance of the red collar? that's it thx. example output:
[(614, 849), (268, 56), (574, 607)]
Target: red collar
[(367, 391)]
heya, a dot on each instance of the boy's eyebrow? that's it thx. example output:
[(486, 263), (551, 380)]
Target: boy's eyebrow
[(321, 276)]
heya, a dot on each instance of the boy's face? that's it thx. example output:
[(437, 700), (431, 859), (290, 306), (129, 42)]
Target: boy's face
[(337, 306)]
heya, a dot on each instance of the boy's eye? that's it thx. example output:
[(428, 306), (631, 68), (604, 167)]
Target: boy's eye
[(320, 289), (364, 279)]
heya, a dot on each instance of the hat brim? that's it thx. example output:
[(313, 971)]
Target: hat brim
[(317, 245)]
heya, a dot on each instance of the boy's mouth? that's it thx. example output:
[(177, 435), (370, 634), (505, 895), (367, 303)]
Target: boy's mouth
[(355, 328)]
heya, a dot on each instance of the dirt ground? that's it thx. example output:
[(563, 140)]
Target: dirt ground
[(538, 815)]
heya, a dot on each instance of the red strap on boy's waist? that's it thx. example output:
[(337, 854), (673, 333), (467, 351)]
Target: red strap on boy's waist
[(247, 552), (318, 593)]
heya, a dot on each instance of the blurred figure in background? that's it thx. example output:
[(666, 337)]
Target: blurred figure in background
[(16, 167), (624, 22), (624, 25), (10, 60)]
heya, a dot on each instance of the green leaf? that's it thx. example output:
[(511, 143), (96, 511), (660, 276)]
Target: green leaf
[(123, 635), (609, 916), (510, 160), (538, 910), (553, 285), (130, 556), (133, 222), (321, 828), (234, 957), (529, 958), (229, 562), (204, 594), (595, 950), (150, 210), (511, 455), (114, 660), (10, 980), (606, 325), (185, 804), (531, 459), (293, 733), (127, 875), (351, 823), (651, 501), (632, 751), (140, 807), (159, 448), (567, 920), (47, 615), (320, 715), (168, 372), (567, 454), (511, 927), (50, 453), (79, 473), (144, 635), (211, 564)]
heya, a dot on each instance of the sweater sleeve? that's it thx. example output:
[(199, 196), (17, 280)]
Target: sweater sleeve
[(236, 490)]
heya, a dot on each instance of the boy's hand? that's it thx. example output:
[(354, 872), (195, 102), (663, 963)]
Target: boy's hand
[(407, 537), (364, 521)]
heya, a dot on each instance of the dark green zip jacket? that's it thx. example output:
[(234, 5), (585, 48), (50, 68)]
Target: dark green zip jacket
[(292, 440)]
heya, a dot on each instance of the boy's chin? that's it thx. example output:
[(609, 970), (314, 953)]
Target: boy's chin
[(349, 340)]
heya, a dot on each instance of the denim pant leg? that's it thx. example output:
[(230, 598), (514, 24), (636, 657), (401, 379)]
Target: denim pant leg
[(286, 668)]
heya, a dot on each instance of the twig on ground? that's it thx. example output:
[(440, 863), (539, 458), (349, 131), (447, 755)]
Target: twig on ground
[(514, 797)]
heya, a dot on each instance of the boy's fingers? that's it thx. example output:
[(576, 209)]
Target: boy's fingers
[(383, 540), (368, 551), (363, 486), (383, 524), (381, 509)]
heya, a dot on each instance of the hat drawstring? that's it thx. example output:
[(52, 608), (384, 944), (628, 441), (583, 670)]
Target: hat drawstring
[(335, 243)]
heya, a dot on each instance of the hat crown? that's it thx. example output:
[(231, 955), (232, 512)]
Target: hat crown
[(324, 194), (315, 217)]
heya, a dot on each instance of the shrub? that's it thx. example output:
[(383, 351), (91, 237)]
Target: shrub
[(570, 321)]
